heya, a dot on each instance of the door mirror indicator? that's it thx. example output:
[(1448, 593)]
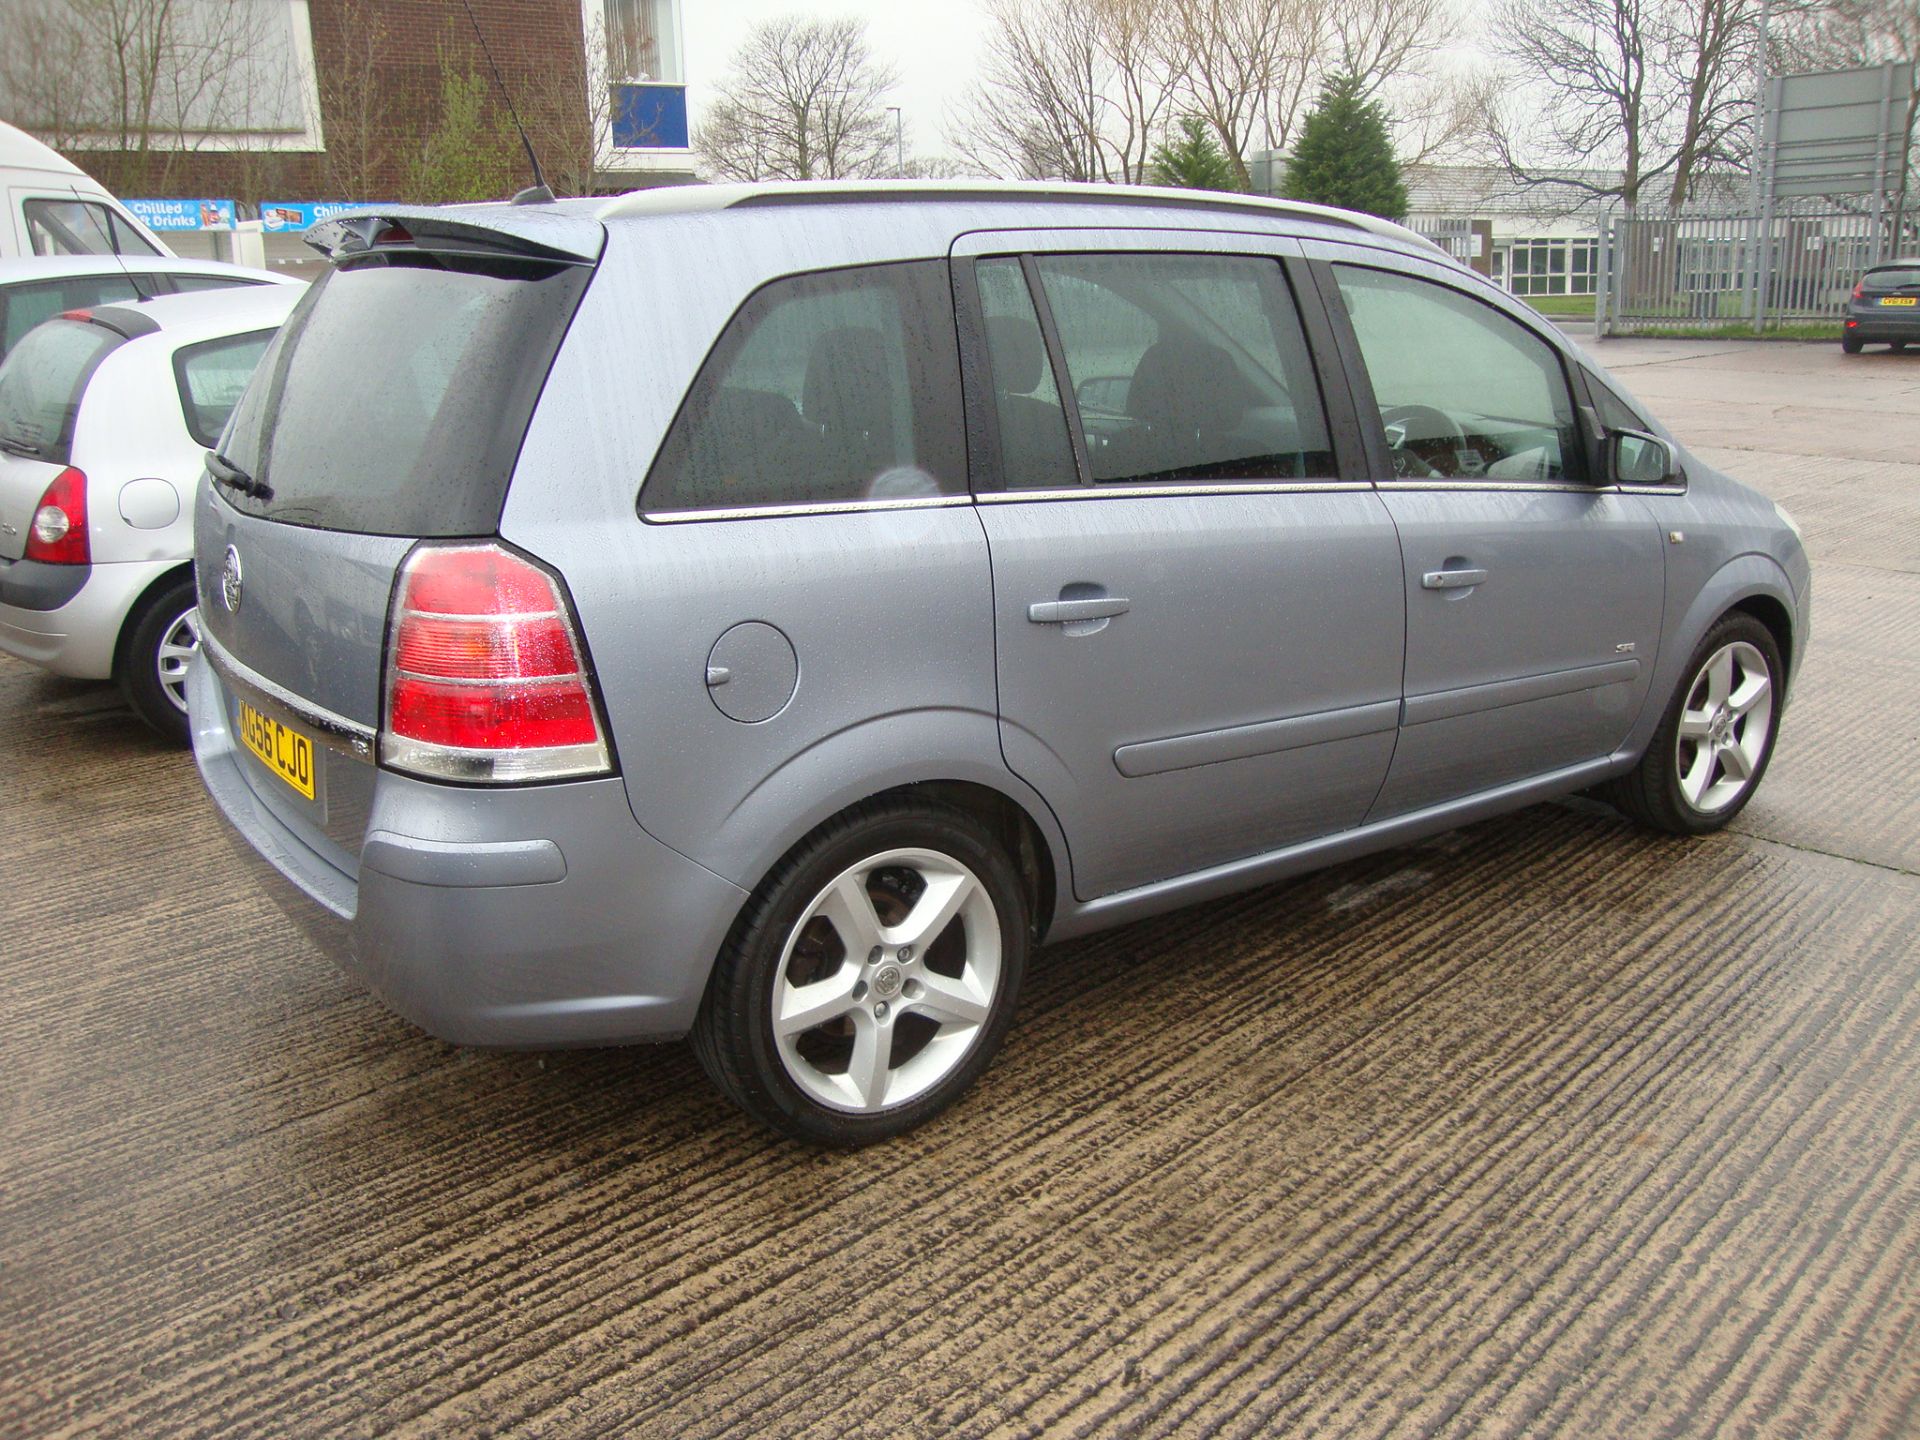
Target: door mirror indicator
[(1634, 458)]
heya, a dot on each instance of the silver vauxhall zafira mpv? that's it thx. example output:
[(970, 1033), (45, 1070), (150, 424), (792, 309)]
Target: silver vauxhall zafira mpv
[(764, 614)]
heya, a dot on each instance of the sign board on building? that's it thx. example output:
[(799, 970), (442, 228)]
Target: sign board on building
[(1837, 132), (650, 117), (158, 215), (296, 215)]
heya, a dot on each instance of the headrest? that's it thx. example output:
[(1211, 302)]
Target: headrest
[(1017, 352)]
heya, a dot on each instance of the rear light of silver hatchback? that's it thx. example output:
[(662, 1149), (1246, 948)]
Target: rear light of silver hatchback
[(487, 681)]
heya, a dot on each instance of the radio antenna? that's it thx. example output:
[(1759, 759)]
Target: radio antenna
[(540, 191)]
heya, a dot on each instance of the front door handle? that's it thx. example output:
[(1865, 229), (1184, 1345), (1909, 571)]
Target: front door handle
[(1065, 612), (1452, 579)]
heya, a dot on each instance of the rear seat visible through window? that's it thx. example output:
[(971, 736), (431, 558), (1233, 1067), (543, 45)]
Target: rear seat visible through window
[(830, 388)]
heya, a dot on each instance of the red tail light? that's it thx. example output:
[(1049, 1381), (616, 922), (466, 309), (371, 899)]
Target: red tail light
[(59, 531), (1860, 290), (486, 679)]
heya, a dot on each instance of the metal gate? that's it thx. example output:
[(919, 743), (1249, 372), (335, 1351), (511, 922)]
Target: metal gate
[(1683, 274)]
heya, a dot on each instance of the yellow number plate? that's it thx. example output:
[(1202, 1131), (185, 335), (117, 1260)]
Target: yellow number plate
[(1898, 300), (287, 753)]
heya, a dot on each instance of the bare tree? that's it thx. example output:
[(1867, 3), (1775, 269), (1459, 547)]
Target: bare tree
[(1070, 90), (1084, 89), (1663, 89), (801, 101), (1593, 97), (357, 104), (148, 79), (1244, 67)]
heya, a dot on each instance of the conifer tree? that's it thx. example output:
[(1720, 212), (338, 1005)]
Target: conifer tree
[(1345, 156), (1193, 159)]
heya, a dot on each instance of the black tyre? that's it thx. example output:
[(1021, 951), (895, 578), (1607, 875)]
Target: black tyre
[(162, 636), (1899, 346), (1850, 345), (1714, 742), (871, 977)]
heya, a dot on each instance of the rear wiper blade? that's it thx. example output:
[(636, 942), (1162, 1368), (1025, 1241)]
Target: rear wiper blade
[(226, 473), (19, 447)]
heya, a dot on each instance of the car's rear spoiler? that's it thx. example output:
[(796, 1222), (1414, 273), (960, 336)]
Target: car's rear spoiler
[(534, 233)]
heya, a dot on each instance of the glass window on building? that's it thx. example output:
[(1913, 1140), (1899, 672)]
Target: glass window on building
[(1553, 266), (643, 41)]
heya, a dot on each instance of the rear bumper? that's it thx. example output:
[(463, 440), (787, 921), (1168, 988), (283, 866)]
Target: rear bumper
[(531, 917), (67, 618), (1874, 325)]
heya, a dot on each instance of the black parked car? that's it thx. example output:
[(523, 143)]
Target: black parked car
[(1885, 307)]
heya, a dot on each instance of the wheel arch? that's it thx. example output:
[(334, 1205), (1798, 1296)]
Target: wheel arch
[(167, 577), (1752, 584)]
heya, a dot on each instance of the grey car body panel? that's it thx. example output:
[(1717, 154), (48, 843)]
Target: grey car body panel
[(475, 921), (592, 911), (312, 621), (1574, 586)]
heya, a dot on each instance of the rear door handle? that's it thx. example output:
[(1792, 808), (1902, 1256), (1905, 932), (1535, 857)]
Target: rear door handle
[(1452, 579), (1063, 612)]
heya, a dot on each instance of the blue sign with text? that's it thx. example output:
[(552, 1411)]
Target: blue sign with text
[(183, 214), (299, 215)]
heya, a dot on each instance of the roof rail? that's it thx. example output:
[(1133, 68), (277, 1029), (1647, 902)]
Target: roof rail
[(693, 199)]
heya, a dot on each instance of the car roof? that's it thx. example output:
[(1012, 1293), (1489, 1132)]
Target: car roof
[(1907, 264), (65, 267), (574, 227), (202, 315)]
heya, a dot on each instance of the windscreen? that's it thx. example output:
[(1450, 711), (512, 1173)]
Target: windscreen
[(41, 384), (394, 400)]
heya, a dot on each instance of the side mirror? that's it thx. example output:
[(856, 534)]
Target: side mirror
[(1636, 459)]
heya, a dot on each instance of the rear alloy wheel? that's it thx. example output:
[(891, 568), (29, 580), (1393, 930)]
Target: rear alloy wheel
[(160, 646), (1714, 743), (871, 978)]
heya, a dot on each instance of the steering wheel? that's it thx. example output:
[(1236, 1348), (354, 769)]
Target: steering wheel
[(1423, 442)]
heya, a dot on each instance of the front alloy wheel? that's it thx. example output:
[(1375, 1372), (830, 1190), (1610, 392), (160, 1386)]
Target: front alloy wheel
[(1716, 737), (870, 978), (1724, 727)]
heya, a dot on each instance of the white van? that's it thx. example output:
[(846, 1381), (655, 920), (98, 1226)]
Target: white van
[(50, 206)]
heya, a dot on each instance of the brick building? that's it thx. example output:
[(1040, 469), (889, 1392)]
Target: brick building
[(369, 99)]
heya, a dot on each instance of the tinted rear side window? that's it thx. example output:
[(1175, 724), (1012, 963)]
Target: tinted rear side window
[(825, 388), (188, 284), (211, 377), (1187, 367), (394, 400), (24, 306), (41, 384)]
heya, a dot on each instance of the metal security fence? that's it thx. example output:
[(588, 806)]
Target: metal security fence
[(1732, 274)]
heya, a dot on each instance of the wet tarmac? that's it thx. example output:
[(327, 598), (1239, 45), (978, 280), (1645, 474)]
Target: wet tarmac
[(1548, 1127)]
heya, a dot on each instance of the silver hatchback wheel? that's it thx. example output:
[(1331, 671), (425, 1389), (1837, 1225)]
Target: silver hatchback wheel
[(887, 981), (1724, 727), (178, 646)]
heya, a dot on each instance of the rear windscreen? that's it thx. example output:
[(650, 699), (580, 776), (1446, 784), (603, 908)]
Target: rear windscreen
[(394, 400), (1894, 278), (41, 384)]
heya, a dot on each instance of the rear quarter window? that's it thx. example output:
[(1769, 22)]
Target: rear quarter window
[(211, 378), (42, 382), (835, 387)]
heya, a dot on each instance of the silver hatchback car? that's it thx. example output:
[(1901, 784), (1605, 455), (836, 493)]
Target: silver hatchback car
[(764, 614)]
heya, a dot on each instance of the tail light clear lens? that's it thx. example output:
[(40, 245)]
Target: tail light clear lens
[(487, 681), (58, 534)]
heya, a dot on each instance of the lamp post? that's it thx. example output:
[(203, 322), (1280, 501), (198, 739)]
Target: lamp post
[(899, 144)]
